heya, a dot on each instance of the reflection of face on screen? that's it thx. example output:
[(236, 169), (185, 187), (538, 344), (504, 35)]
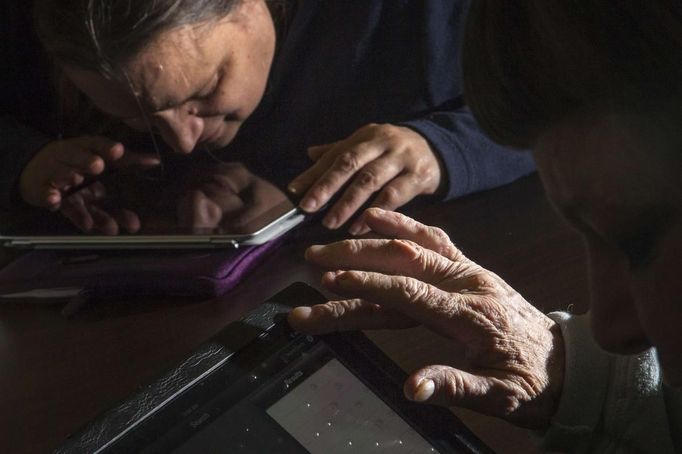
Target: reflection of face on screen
[(334, 412), (207, 198)]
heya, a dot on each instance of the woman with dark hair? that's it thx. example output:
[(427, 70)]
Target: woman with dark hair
[(371, 90), (594, 87)]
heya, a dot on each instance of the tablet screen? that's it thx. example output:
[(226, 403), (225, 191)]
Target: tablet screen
[(332, 411), (215, 198), (316, 406), (259, 387)]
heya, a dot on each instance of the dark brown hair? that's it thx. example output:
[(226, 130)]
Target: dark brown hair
[(529, 63)]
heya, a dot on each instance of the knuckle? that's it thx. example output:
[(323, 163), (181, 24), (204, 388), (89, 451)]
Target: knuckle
[(345, 307), (387, 132), (379, 131), (426, 170), (324, 313), (371, 128), (482, 281), (407, 223), (406, 248), (334, 310), (453, 384), (439, 234), (427, 177), (348, 161), (386, 129), (354, 247), (368, 178), (445, 246), (424, 259), (390, 196), (413, 290), (457, 270)]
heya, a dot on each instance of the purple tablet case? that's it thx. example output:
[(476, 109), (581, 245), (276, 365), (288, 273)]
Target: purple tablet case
[(197, 273)]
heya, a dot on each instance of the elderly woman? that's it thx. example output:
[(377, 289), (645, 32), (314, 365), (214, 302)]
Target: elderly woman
[(329, 98), (594, 87)]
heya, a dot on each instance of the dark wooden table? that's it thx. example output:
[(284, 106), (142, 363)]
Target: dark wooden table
[(57, 373)]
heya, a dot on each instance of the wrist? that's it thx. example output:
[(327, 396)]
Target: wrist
[(546, 379), (556, 366)]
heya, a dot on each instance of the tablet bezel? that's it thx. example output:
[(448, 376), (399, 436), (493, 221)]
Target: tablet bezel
[(281, 224)]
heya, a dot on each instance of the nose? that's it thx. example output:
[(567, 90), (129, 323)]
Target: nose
[(179, 128), (615, 321)]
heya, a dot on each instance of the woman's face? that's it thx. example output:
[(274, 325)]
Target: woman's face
[(195, 85), (620, 184)]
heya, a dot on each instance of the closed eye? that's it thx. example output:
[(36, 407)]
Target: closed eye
[(209, 90)]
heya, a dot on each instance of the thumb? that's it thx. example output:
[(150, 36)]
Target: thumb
[(447, 386)]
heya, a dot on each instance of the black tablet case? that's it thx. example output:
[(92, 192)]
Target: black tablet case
[(201, 362)]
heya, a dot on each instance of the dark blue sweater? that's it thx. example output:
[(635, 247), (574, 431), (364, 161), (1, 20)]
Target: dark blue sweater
[(341, 65)]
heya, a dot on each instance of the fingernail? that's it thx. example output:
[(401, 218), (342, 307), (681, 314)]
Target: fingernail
[(358, 228), (425, 390), (293, 188), (334, 276), (330, 221), (301, 312), (308, 204), (312, 250)]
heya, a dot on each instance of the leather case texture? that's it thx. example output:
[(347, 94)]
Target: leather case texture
[(140, 273)]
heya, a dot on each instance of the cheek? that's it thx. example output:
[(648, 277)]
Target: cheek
[(247, 76), (254, 82), (238, 95)]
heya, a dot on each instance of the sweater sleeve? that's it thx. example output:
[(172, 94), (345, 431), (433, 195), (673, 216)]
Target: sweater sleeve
[(472, 161), (611, 403)]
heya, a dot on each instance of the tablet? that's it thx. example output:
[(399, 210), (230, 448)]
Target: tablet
[(282, 392), (225, 206)]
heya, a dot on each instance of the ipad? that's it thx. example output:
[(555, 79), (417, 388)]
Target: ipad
[(225, 206), (282, 392)]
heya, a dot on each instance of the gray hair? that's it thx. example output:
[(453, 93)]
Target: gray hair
[(101, 35)]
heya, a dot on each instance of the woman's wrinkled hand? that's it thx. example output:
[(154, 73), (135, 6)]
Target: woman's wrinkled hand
[(515, 353), (393, 162)]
